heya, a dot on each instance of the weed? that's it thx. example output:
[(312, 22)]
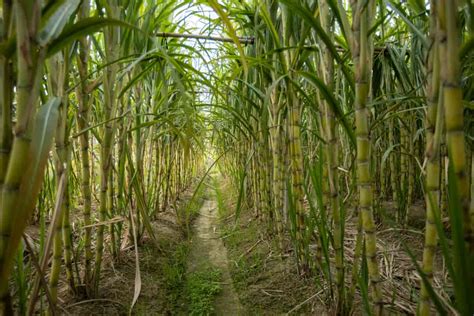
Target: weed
[(191, 208), (174, 272), (202, 287), (245, 269), (219, 198)]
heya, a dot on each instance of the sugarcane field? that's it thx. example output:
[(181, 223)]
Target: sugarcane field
[(237, 157)]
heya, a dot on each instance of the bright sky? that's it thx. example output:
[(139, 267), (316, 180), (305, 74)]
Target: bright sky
[(196, 21)]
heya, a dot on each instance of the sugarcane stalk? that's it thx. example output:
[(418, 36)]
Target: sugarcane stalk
[(110, 76), (295, 147), (362, 19), (329, 130), (393, 170), (433, 136), (6, 138), (454, 110), (411, 170), (296, 158), (57, 78), (277, 175), (29, 73), (67, 240), (6, 96), (83, 124)]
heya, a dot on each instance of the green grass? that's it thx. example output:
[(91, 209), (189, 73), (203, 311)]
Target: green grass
[(202, 288), (174, 269), (245, 270), (190, 210), (174, 272), (219, 197)]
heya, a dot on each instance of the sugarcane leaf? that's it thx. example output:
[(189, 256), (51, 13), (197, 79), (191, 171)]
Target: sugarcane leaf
[(8, 47), (242, 176), (467, 47), (201, 181), (82, 28), (463, 259), (230, 30), (405, 19), (138, 279), (386, 154), (304, 13), (329, 97), (55, 19), (137, 188), (45, 127), (45, 124), (238, 207)]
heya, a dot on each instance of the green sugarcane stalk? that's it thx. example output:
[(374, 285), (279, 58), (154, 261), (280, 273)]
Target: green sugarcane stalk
[(56, 259), (6, 95), (295, 146), (433, 136), (112, 41), (393, 170), (297, 177), (255, 190), (64, 152), (29, 72), (453, 110), (329, 130), (358, 253), (402, 204), (265, 211), (83, 124), (67, 240), (277, 175), (166, 173), (362, 19), (471, 209), (411, 170), (57, 78)]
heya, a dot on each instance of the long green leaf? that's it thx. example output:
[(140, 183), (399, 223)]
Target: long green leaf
[(82, 28), (55, 19), (299, 9), (329, 97), (403, 16), (46, 121)]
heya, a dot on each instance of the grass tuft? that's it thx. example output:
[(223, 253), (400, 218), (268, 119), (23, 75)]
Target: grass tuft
[(202, 288)]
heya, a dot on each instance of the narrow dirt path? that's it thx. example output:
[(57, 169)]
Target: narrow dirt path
[(207, 249)]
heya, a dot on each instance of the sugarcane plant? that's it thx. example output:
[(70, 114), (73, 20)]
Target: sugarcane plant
[(336, 122)]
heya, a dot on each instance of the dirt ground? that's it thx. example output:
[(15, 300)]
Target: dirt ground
[(162, 268), (256, 279), (268, 284), (207, 249)]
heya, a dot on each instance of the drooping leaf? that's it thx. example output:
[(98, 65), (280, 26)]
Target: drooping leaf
[(138, 278), (82, 28), (55, 19), (403, 16), (230, 29), (299, 9), (386, 155), (329, 97), (46, 121)]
